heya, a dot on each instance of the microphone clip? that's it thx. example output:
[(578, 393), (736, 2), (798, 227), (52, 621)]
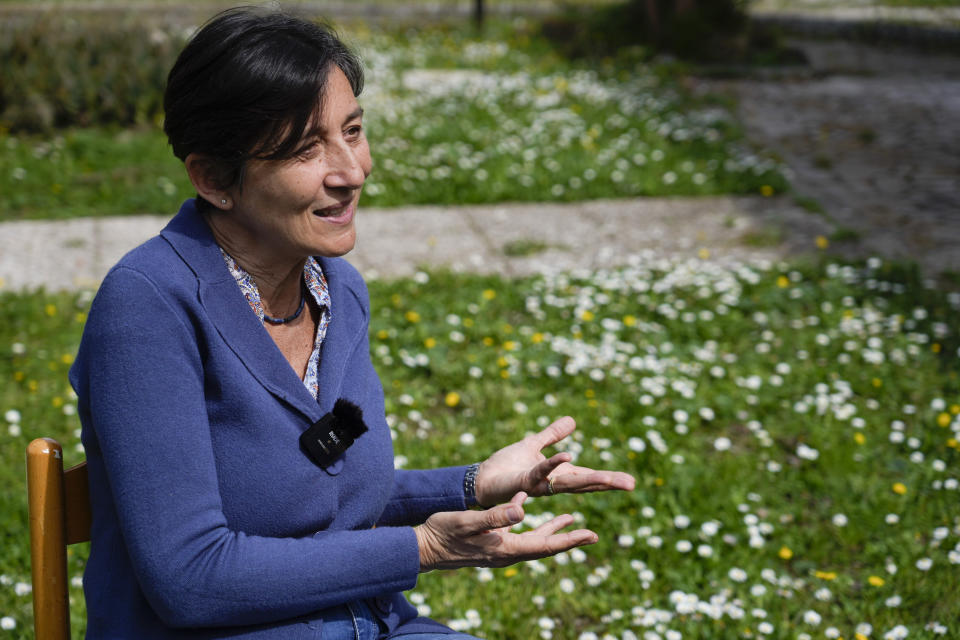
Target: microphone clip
[(331, 435)]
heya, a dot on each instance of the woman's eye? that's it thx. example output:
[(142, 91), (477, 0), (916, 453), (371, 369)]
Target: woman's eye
[(354, 131)]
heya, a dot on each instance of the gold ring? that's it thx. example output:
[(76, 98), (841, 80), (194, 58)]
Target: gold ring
[(550, 490)]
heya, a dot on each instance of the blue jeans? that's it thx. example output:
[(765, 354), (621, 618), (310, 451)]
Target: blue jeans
[(354, 621)]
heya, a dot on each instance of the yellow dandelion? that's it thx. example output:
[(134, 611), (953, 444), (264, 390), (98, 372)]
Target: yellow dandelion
[(899, 488), (859, 438), (826, 575), (382, 334), (452, 399), (877, 382), (935, 347), (510, 572), (783, 282), (822, 242), (57, 401), (785, 553), (468, 322), (955, 409), (50, 310), (944, 419), (18, 376), (587, 315), (592, 403), (80, 317), (766, 191), (487, 341), (589, 393), (506, 328), (489, 294), (430, 343), (952, 443), (66, 358), (876, 581), (502, 362), (630, 321), (32, 385), (504, 373), (536, 338), (412, 316), (510, 345), (860, 636), (704, 253), (658, 482), (395, 299)]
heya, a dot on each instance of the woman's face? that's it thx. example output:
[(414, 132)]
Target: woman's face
[(306, 205)]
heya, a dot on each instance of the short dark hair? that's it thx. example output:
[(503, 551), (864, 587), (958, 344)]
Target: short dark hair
[(248, 84)]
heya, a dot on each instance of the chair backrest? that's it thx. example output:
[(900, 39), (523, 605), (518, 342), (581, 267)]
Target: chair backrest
[(59, 507)]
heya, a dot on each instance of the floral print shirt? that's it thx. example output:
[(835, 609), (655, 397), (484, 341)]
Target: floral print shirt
[(317, 286)]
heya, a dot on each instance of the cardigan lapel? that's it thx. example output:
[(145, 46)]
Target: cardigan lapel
[(348, 324), (229, 311)]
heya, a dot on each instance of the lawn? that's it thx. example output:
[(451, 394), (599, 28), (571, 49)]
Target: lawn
[(793, 428), (453, 118)]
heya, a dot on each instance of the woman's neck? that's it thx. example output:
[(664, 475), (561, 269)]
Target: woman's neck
[(278, 278)]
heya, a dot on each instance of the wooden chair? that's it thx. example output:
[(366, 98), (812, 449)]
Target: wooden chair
[(59, 507)]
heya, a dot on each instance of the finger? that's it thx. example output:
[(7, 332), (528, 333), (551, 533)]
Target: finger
[(537, 477), (502, 516), (527, 547), (593, 481), (551, 527), (556, 432), (518, 498)]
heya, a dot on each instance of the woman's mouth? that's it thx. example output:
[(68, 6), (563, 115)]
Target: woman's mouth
[(341, 213)]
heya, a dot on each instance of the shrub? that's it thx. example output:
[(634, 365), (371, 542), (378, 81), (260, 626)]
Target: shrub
[(699, 30), (59, 71)]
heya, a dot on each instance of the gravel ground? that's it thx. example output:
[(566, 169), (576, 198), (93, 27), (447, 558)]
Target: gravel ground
[(871, 134)]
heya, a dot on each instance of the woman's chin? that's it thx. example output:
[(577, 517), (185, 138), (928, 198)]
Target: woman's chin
[(340, 245)]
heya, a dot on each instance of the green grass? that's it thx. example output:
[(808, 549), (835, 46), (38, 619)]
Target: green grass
[(920, 4), (845, 234), (452, 118), (90, 172), (525, 247), (811, 408)]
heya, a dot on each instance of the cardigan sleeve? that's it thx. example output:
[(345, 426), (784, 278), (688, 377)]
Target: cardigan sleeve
[(139, 378), (419, 493)]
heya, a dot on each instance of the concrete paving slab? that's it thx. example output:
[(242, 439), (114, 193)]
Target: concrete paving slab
[(507, 239), (396, 242), (68, 254)]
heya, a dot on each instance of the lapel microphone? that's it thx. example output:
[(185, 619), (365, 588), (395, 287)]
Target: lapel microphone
[(331, 435)]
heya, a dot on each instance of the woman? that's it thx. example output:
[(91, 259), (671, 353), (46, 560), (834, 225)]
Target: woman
[(212, 348)]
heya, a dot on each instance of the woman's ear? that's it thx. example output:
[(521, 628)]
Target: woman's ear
[(203, 173)]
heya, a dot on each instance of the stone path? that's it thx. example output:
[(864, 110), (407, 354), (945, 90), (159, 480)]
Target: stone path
[(396, 242)]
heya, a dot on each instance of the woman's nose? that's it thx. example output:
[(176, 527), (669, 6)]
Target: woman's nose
[(345, 168)]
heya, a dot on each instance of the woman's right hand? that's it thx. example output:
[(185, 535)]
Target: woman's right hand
[(453, 539)]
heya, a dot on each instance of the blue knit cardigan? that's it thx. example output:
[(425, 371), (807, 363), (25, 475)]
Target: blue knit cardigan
[(208, 519)]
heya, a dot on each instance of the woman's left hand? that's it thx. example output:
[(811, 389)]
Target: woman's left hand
[(522, 467)]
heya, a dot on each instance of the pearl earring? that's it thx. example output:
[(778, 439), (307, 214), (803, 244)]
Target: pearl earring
[(223, 201)]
